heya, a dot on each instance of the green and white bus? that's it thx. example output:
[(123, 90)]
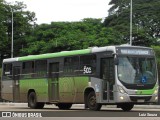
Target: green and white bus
[(111, 75)]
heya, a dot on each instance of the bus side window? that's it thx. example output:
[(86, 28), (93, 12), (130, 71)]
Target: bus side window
[(88, 64), (28, 69), (7, 71), (71, 65), (40, 68)]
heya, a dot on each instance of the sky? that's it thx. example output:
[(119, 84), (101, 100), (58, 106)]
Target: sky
[(66, 10)]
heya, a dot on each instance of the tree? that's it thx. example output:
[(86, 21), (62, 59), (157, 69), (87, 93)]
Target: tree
[(146, 25), (62, 36), (3, 29), (157, 52), (23, 23)]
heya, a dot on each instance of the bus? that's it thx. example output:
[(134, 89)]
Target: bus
[(112, 75)]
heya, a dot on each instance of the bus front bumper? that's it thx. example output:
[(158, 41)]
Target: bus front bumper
[(138, 99)]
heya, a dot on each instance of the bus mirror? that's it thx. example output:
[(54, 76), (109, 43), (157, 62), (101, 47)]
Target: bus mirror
[(116, 61)]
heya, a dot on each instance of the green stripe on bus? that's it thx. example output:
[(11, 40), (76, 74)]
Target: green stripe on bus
[(53, 55), (39, 85), (146, 92)]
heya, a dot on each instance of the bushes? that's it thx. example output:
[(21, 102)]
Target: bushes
[(0, 73), (157, 52)]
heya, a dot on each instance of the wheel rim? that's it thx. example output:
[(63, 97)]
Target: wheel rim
[(92, 101)]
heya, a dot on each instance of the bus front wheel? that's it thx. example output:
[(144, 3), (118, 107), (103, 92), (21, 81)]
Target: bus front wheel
[(32, 101), (91, 101)]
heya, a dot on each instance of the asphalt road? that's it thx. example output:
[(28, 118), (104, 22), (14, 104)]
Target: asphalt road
[(21, 111)]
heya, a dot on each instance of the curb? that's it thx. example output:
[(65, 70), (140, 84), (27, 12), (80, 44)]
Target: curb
[(82, 105)]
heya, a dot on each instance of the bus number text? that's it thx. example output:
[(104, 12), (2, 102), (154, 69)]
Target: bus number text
[(87, 70)]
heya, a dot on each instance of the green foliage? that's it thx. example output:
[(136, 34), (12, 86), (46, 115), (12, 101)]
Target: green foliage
[(22, 20), (59, 36), (30, 38), (0, 72), (157, 52), (146, 24)]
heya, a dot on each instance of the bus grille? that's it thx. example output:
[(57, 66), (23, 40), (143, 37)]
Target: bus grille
[(135, 98)]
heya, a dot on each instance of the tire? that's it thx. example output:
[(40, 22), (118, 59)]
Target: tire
[(40, 105), (91, 102), (64, 106), (32, 101), (126, 106)]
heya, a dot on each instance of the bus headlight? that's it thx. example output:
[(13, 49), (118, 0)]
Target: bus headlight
[(156, 98), (121, 98), (156, 91), (121, 90)]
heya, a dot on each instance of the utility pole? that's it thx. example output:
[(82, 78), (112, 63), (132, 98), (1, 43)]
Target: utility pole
[(12, 35), (12, 32), (131, 22)]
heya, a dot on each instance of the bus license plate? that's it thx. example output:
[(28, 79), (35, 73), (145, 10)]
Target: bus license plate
[(140, 100)]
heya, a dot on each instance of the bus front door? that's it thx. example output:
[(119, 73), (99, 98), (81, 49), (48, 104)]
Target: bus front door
[(16, 77), (107, 74), (54, 86)]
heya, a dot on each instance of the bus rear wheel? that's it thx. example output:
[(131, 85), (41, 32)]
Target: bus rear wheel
[(64, 106), (126, 106), (91, 101), (32, 101)]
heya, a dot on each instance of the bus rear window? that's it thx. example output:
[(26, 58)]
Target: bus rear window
[(7, 71)]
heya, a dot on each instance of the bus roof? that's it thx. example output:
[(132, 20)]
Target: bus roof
[(48, 55), (67, 53)]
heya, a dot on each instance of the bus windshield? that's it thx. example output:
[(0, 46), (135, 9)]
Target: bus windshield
[(133, 70)]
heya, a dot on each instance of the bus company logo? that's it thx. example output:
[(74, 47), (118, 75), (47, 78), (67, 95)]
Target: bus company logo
[(139, 92)]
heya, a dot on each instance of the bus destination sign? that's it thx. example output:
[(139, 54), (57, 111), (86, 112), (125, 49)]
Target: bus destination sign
[(135, 51)]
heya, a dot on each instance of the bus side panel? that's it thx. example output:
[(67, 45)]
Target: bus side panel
[(80, 84), (72, 89), (97, 84), (40, 86), (7, 90), (66, 89)]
